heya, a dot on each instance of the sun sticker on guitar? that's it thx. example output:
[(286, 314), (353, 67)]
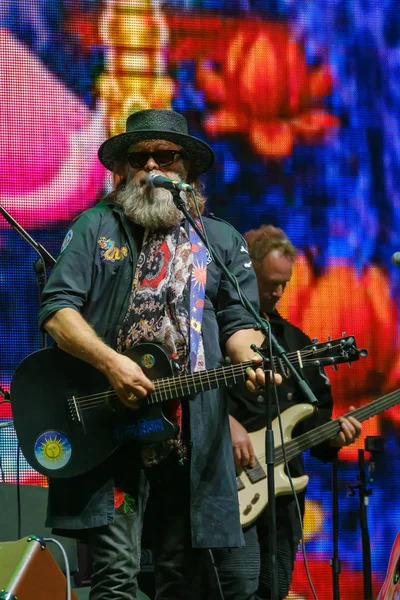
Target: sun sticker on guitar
[(52, 450)]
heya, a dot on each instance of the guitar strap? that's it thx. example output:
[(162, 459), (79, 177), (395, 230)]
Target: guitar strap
[(197, 292)]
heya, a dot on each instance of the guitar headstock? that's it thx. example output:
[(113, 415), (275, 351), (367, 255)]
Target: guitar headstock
[(332, 352)]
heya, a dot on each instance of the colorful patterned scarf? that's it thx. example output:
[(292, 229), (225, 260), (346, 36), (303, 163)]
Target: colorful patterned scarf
[(168, 264)]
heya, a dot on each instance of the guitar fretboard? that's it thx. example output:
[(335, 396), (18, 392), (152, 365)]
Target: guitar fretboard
[(327, 431), (189, 384), (182, 386)]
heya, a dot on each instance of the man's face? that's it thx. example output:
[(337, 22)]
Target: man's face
[(177, 170), (152, 208), (272, 276)]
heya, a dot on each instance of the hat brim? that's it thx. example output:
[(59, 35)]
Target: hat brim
[(115, 148)]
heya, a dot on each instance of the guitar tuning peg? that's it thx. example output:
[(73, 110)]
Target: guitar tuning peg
[(343, 334), (329, 338), (350, 365), (335, 368), (314, 341)]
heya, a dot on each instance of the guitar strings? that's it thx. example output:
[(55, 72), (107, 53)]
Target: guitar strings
[(165, 386), (168, 385), (296, 446), (171, 384)]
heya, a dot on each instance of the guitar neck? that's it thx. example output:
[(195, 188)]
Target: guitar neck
[(329, 430), (182, 386)]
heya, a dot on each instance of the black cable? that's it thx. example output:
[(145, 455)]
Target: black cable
[(237, 287), (217, 579), (66, 564), (298, 509)]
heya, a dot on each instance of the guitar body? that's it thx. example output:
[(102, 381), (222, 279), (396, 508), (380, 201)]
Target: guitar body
[(58, 441), (252, 483), (391, 586)]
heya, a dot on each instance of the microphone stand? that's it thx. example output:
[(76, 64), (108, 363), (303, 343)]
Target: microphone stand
[(45, 258), (363, 494), (262, 325), (375, 445), (335, 561)]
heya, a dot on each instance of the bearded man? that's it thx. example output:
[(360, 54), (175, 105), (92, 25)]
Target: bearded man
[(133, 270)]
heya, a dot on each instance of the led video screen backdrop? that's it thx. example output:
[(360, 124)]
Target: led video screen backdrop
[(300, 101)]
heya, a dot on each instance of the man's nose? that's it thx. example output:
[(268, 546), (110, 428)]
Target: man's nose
[(151, 164)]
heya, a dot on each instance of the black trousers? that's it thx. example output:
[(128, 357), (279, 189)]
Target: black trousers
[(115, 551), (116, 548), (244, 572), (178, 567)]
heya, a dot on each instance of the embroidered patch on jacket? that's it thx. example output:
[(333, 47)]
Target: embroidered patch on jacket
[(109, 252), (67, 240)]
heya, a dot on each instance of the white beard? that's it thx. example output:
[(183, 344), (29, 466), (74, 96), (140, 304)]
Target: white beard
[(152, 208)]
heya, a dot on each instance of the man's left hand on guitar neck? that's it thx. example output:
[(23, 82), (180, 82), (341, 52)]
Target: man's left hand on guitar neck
[(351, 430), (238, 347)]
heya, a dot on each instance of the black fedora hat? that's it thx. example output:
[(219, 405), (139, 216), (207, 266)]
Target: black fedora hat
[(157, 124)]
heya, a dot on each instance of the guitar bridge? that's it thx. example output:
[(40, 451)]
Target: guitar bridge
[(73, 411), (255, 474)]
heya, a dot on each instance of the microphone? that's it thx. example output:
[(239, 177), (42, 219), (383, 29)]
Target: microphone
[(159, 181), (396, 259)]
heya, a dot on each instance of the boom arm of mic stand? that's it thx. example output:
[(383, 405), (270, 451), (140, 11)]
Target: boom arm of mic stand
[(45, 258), (260, 323), (49, 260)]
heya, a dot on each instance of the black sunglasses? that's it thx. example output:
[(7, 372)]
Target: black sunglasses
[(164, 158)]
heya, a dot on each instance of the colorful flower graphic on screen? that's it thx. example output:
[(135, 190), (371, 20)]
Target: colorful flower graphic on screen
[(342, 300), (256, 76)]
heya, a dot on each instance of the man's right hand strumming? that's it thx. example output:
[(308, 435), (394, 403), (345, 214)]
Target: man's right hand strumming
[(74, 335), (128, 380)]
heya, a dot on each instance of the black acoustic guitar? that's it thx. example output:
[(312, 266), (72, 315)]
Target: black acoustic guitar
[(68, 420)]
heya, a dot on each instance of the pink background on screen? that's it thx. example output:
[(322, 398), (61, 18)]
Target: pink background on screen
[(50, 170)]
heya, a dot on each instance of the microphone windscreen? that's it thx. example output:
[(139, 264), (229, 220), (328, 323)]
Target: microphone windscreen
[(396, 259)]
